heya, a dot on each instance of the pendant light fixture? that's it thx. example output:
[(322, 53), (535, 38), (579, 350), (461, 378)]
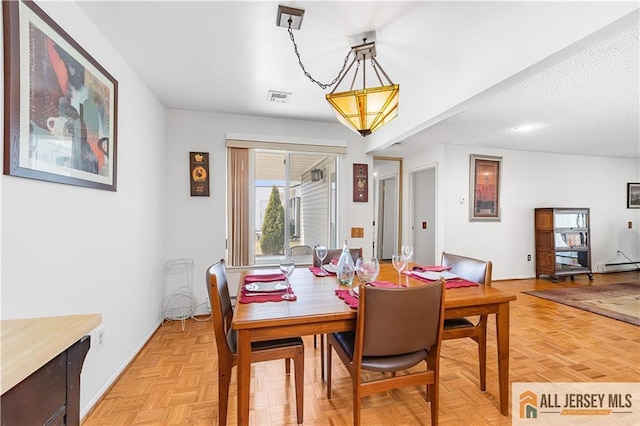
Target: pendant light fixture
[(365, 109), (361, 108)]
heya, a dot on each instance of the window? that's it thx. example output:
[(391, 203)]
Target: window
[(276, 203)]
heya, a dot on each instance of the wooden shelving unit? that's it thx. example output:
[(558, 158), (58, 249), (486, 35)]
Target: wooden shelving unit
[(563, 242)]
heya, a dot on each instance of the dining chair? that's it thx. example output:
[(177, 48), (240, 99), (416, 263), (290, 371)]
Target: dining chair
[(459, 328), (226, 342), (335, 254), (396, 329), (300, 251), (331, 254)]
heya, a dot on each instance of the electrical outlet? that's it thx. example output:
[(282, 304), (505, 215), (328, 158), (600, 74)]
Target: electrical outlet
[(529, 257), (99, 338)]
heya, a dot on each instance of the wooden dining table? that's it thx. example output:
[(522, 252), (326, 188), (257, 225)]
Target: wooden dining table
[(317, 310)]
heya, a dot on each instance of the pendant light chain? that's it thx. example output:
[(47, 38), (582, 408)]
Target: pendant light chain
[(322, 85)]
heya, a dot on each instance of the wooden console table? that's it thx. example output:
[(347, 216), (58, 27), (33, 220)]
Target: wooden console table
[(41, 361)]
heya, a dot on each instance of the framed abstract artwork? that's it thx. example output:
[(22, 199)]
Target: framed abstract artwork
[(484, 196), (633, 195), (360, 183), (199, 173), (60, 104)]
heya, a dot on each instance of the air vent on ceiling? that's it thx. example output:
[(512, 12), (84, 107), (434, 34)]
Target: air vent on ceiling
[(278, 97)]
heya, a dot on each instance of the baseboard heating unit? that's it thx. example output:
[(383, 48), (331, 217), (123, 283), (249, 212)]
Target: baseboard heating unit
[(618, 267)]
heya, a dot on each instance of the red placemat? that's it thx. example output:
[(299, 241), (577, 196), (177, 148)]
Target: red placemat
[(264, 278), (459, 282), (275, 296), (454, 283), (350, 300), (432, 268), (320, 272), (385, 284)]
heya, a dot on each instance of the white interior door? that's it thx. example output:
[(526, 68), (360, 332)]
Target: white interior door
[(424, 216), (388, 219)]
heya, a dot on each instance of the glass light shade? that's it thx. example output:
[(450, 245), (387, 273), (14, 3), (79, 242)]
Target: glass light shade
[(366, 110)]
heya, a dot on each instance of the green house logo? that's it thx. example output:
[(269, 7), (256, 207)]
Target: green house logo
[(528, 405)]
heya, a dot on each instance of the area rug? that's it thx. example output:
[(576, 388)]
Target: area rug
[(618, 301)]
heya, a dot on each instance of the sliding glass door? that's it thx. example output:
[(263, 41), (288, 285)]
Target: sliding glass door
[(292, 205)]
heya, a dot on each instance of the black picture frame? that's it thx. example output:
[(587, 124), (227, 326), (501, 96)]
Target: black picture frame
[(60, 104), (633, 195), (199, 174)]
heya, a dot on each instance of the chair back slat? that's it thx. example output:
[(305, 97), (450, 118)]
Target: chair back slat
[(468, 268), (400, 321)]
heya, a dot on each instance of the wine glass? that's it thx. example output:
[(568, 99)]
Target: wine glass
[(367, 269), (408, 252), (287, 265), (321, 253), (399, 262)]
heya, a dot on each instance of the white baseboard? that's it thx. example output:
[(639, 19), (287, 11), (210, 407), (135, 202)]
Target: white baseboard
[(93, 401)]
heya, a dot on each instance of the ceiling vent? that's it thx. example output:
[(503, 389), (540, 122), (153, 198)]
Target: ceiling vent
[(279, 97)]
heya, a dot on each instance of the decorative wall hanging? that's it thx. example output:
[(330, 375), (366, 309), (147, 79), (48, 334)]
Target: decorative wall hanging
[(360, 183), (484, 188), (60, 104), (633, 195), (199, 173)]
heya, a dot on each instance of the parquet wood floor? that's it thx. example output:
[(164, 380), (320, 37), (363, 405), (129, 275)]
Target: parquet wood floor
[(173, 381)]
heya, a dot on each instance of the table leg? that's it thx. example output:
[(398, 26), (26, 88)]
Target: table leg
[(244, 375), (502, 335)]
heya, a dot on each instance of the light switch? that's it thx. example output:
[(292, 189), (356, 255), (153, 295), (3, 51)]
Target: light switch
[(630, 225)]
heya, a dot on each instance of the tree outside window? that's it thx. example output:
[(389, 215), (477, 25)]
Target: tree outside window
[(272, 240)]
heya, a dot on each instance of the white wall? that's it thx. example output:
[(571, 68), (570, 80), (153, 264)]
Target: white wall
[(530, 180), (72, 250), (196, 226)]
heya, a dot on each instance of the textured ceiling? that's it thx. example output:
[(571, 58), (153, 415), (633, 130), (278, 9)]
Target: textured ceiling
[(586, 103), (468, 71)]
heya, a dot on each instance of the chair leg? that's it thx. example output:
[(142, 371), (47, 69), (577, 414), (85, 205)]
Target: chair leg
[(434, 398), (328, 369), (322, 356), (298, 363), (287, 366), (482, 357), (433, 389), (357, 400), (224, 379)]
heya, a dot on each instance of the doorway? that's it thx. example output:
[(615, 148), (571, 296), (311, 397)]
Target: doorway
[(387, 212), (423, 217)]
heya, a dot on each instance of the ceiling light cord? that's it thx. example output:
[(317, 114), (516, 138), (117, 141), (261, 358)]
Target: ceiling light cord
[(322, 85)]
